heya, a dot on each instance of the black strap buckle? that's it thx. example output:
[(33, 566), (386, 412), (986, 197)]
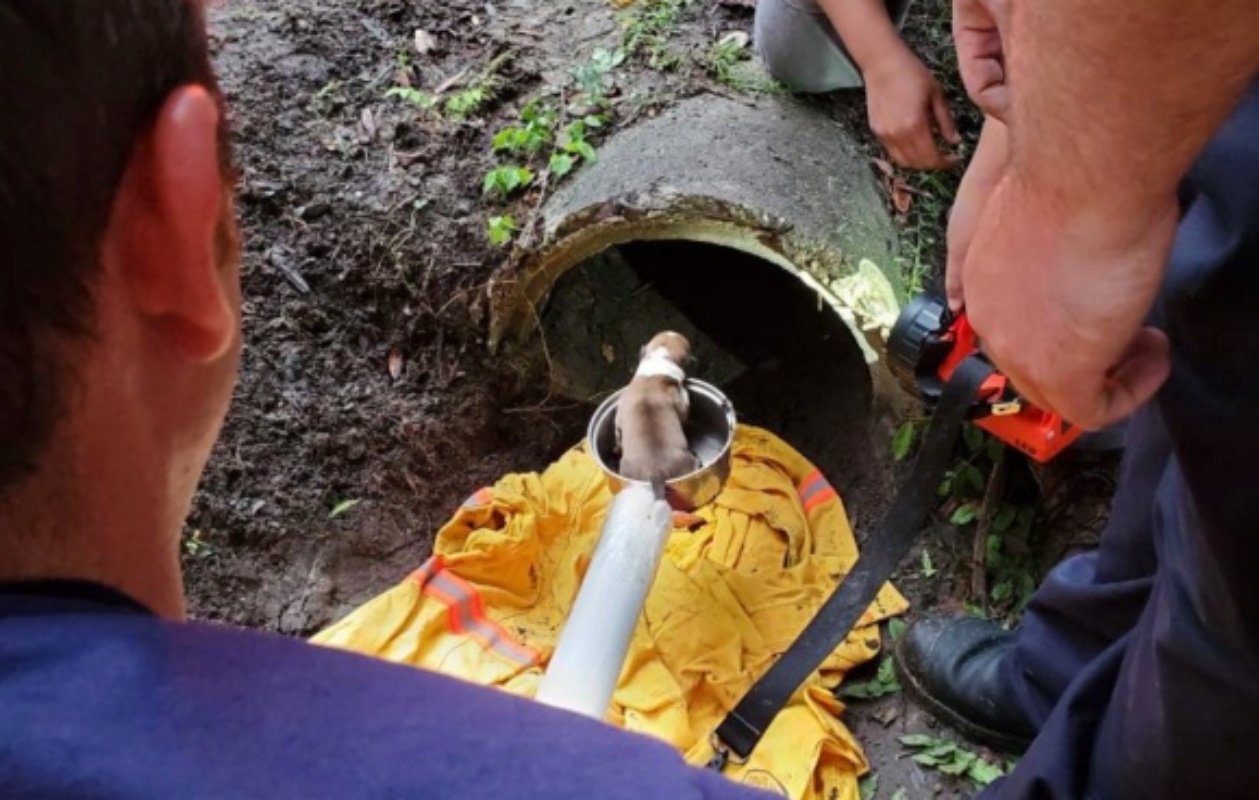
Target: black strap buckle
[(722, 754)]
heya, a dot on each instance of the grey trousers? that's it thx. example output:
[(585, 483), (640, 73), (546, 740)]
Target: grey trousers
[(801, 49)]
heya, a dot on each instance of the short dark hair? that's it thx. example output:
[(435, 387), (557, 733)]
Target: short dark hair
[(80, 81)]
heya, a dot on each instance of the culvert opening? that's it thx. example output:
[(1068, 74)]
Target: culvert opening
[(783, 356)]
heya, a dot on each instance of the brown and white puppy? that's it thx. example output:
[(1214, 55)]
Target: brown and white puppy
[(651, 414)]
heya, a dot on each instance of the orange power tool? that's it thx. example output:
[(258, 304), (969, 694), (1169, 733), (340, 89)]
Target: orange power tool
[(926, 345)]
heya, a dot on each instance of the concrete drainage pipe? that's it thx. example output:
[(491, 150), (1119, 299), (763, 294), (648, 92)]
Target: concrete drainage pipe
[(754, 227)]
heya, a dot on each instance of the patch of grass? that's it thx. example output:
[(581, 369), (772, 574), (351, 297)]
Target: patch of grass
[(648, 26), (725, 59), (951, 758), (929, 32)]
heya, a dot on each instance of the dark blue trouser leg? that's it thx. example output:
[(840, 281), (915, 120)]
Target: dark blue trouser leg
[(1141, 662), (1091, 600)]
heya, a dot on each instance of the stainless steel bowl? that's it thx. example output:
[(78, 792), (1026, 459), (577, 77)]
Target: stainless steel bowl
[(710, 430)]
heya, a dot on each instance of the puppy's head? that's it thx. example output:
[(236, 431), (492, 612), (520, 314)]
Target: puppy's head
[(673, 346)]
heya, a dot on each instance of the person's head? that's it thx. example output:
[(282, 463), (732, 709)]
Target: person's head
[(119, 296)]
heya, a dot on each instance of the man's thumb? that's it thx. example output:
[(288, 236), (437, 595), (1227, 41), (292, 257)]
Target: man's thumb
[(1135, 379)]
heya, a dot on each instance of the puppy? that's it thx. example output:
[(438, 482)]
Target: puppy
[(651, 414)]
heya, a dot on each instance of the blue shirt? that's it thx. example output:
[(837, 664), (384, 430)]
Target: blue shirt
[(101, 699)]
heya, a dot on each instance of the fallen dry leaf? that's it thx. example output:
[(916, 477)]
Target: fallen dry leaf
[(895, 186), (609, 352), (424, 42), (395, 363), (901, 197)]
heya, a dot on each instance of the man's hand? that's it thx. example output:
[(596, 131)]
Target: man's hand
[(906, 106), (1060, 302), (985, 171), (977, 28)]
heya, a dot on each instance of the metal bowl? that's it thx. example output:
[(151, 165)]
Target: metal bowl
[(709, 429)]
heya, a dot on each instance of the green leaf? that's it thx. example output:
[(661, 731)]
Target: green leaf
[(918, 740), (995, 449), (587, 152), (868, 786), (1002, 592), (593, 121), (1004, 519), (928, 760), (970, 475), (946, 485), (895, 627), (506, 179), (983, 773), (965, 514), (940, 749), (342, 507), (961, 762), (507, 139), (500, 230), (995, 557), (561, 164), (973, 436), (928, 570), (900, 794), (903, 441)]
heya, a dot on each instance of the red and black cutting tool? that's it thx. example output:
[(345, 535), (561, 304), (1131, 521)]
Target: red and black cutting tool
[(927, 344)]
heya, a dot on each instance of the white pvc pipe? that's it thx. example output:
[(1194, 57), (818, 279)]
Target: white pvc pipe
[(591, 651)]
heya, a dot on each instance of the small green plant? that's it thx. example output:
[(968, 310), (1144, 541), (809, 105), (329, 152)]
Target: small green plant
[(195, 546), (468, 102), (593, 79), (500, 230), (648, 28), (928, 569), (461, 105), (572, 140), (415, 97), (507, 180), (883, 683), (535, 133), (952, 759)]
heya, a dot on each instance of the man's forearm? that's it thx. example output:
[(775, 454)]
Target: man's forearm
[(1112, 101), (866, 30)]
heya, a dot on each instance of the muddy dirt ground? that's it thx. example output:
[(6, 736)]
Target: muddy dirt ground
[(368, 405)]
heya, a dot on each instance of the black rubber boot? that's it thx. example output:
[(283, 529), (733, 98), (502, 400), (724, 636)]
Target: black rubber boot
[(949, 666)]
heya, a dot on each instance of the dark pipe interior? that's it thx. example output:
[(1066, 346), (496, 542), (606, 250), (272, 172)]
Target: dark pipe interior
[(785, 359)]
